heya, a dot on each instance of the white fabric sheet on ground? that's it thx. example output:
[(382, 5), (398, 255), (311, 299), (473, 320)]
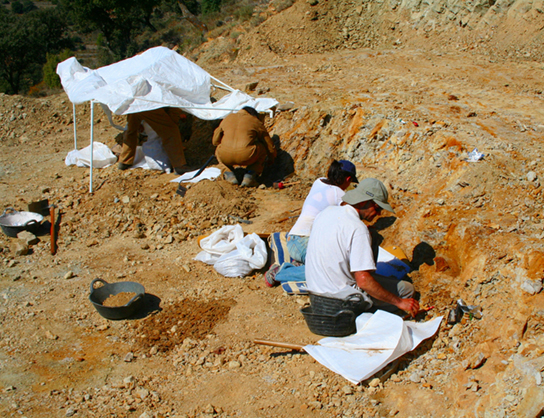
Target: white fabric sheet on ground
[(158, 77), (210, 173), (380, 339), (102, 156)]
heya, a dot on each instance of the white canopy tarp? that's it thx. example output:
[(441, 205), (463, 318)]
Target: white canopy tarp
[(159, 77)]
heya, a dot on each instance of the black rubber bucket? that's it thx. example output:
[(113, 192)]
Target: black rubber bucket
[(100, 294), (331, 306), (12, 222), (338, 325)]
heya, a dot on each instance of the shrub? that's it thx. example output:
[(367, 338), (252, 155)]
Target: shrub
[(210, 6), (50, 77), (244, 13)]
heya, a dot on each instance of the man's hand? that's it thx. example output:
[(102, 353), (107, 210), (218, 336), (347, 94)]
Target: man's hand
[(409, 305)]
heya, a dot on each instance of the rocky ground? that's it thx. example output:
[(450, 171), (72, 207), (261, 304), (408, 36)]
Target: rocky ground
[(409, 116)]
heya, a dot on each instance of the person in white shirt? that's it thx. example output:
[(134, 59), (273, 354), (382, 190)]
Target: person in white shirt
[(326, 191), (339, 259)]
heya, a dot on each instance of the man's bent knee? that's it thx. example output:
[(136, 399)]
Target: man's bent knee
[(405, 289)]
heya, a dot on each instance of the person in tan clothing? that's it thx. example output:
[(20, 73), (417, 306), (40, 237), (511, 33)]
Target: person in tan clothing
[(242, 140), (164, 122)]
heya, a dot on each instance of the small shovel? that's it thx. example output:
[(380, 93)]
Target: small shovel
[(181, 190)]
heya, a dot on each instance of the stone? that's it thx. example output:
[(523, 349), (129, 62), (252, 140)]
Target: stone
[(70, 412), (532, 286), (49, 335), (415, 377), (532, 403), (141, 393), (251, 86), (28, 237), (69, 275), (347, 389), (531, 176), (477, 360), (285, 106), (20, 248), (374, 382), (129, 357), (234, 364)]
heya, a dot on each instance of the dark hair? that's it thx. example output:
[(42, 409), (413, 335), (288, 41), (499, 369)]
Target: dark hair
[(336, 176), (251, 111)]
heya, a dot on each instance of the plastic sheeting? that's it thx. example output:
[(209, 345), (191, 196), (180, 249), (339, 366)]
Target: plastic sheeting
[(159, 77), (102, 156), (380, 339)]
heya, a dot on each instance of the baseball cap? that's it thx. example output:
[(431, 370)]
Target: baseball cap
[(369, 189), (349, 167)]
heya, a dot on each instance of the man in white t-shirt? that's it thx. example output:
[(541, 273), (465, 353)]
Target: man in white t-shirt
[(340, 261)]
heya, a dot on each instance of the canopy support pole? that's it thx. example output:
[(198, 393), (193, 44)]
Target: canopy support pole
[(227, 87), (75, 127), (92, 145)]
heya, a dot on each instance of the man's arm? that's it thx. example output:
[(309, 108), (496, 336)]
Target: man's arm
[(217, 136), (366, 282), (272, 152)]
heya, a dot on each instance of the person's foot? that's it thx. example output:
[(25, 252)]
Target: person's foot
[(230, 177), (270, 276), (122, 166), (183, 169), (249, 181)]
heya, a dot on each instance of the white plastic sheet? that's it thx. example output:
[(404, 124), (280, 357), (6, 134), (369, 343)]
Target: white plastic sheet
[(158, 77), (380, 339), (151, 155), (102, 156), (210, 173)]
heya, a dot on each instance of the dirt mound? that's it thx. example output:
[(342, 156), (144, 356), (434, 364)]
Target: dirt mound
[(185, 319), (511, 30)]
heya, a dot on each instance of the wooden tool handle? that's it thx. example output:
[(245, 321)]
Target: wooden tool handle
[(53, 241), (296, 347)]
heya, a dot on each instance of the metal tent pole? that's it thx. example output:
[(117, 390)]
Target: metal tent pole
[(92, 145), (75, 127)]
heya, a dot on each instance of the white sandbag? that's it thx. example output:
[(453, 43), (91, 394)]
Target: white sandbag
[(220, 242), (250, 254), (102, 156)]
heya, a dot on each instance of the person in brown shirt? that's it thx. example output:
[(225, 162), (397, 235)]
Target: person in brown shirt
[(242, 140), (164, 121)]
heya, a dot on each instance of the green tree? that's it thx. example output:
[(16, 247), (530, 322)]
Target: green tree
[(120, 21), (210, 6), (24, 42), (22, 7)]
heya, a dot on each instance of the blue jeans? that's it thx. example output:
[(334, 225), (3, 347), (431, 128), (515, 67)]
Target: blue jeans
[(290, 273), (297, 246)]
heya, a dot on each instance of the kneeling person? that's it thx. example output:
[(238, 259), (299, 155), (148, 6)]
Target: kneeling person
[(340, 257), (242, 140)]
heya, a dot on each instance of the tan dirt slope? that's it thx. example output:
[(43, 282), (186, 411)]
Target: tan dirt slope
[(407, 114)]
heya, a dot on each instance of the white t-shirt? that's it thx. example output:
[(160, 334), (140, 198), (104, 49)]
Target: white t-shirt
[(340, 244), (321, 195)]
